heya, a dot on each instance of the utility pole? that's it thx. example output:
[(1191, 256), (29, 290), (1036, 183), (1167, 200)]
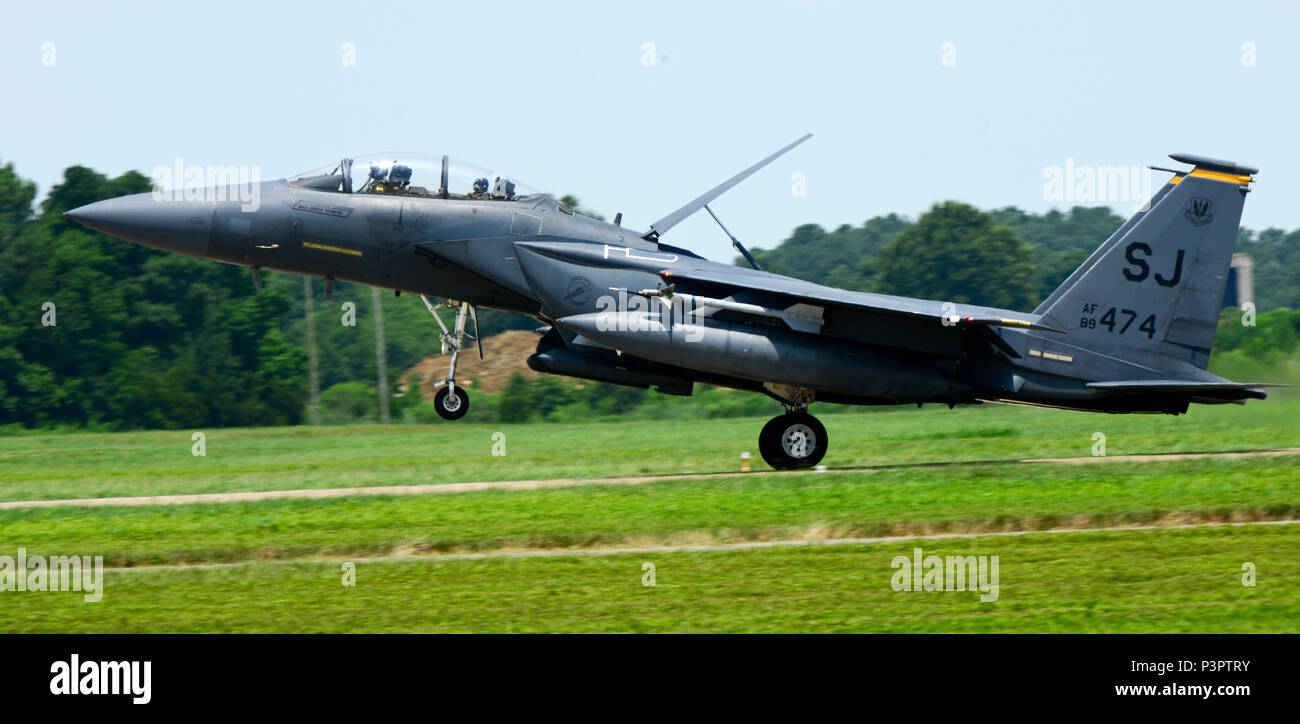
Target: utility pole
[(381, 355), (313, 367)]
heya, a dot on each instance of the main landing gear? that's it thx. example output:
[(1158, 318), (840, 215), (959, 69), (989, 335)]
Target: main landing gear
[(795, 439), (450, 401)]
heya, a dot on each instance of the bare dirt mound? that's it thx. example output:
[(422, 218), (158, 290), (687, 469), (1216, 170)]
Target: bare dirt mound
[(503, 355)]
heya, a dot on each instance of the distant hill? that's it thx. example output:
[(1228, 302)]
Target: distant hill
[(504, 354)]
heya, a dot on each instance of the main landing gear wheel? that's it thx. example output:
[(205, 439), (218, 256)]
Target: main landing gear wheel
[(451, 403), (793, 440)]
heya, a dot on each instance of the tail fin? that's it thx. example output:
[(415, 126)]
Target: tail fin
[(1156, 286), (1110, 242)]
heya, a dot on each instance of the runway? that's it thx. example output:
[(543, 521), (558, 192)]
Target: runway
[(554, 483)]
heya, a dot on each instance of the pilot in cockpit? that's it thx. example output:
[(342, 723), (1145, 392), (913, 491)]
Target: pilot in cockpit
[(480, 189), (503, 188), (388, 179)]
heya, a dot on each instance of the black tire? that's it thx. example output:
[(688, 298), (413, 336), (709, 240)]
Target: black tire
[(451, 407), (794, 440), (765, 437)]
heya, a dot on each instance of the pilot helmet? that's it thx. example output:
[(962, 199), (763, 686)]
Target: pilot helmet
[(503, 188), (480, 186), (401, 174)]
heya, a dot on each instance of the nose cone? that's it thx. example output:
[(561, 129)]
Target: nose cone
[(173, 225)]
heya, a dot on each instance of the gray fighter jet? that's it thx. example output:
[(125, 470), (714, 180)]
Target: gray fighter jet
[(1129, 331)]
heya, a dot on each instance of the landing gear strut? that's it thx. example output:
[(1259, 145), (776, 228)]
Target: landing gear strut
[(795, 439), (450, 401)]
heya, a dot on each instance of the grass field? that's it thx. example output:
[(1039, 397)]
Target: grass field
[(93, 465), (285, 556), (811, 505), (1137, 581)]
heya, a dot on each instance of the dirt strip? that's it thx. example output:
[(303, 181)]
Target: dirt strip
[(696, 548)]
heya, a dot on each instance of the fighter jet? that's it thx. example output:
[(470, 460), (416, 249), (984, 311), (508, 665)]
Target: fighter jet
[(1129, 331)]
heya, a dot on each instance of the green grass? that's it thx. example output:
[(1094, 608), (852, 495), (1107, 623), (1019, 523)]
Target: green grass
[(288, 552), (885, 502), (159, 462), (1136, 581)]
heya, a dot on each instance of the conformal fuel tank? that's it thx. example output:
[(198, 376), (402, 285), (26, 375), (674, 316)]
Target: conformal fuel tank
[(765, 355)]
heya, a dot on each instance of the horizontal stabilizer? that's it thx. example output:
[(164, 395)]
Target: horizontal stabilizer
[(1180, 385), (1188, 387)]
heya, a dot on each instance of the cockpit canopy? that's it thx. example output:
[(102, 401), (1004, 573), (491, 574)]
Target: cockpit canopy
[(413, 174)]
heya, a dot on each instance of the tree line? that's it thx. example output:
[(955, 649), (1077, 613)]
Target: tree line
[(1003, 258)]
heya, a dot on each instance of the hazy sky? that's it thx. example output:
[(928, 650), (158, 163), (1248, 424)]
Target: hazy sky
[(565, 96)]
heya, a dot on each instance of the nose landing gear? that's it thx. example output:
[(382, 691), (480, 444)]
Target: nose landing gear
[(452, 402)]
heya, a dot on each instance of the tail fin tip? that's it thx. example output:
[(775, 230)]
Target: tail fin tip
[(1214, 164)]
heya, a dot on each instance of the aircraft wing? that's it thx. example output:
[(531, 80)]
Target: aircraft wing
[(797, 291)]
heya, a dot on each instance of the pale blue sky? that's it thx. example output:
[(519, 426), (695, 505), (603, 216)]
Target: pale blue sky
[(557, 94)]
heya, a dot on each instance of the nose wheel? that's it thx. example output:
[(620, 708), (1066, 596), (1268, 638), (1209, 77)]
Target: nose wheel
[(450, 401), (793, 440)]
